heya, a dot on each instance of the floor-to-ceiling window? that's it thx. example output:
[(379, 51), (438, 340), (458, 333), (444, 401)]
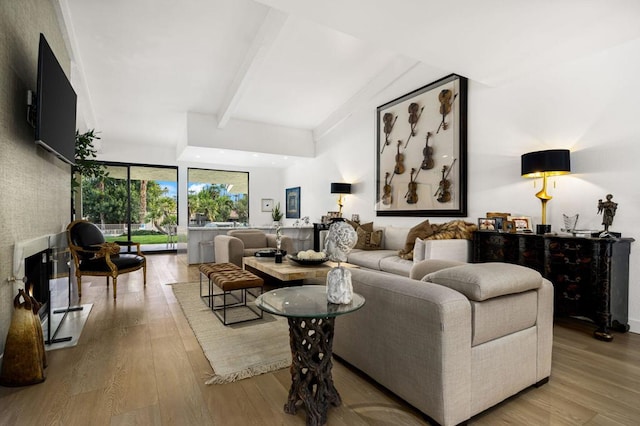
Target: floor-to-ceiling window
[(134, 203), (218, 197)]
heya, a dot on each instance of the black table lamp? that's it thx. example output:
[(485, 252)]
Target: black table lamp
[(552, 162), (340, 188)]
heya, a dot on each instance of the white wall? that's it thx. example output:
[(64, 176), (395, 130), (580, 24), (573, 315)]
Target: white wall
[(588, 106)]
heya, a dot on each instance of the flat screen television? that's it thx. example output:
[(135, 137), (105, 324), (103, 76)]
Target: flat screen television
[(55, 106)]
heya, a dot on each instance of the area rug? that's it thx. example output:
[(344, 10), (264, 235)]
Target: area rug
[(237, 351)]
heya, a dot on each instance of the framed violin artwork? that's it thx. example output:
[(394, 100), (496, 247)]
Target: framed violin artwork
[(424, 171)]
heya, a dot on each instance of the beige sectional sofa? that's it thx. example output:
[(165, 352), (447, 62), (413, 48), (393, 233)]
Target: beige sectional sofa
[(394, 238), (460, 340)]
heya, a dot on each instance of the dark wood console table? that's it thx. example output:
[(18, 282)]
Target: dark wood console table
[(317, 227), (590, 275)]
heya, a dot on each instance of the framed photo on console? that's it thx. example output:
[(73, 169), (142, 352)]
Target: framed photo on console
[(521, 223), (421, 151)]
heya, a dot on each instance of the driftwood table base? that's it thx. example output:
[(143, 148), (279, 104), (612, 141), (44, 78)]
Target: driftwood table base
[(312, 384)]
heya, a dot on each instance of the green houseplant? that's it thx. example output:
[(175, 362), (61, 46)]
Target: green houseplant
[(276, 214), (86, 165)]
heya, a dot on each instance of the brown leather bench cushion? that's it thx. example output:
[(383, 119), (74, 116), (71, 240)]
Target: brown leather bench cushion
[(209, 268), (230, 279)]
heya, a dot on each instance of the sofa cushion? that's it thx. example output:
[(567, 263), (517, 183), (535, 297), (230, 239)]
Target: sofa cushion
[(250, 238), (421, 230), (396, 265), (368, 238), (369, 258), (420, 269), (395, 237), (503, 315), (454, 249), (248, 252), (482, 281)]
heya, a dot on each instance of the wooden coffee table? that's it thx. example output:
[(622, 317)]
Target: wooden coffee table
[(288, 271)]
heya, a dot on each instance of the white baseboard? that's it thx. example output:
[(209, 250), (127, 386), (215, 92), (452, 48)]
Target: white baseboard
[(634, 326)]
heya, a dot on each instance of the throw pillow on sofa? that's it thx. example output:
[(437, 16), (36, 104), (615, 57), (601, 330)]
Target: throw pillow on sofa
[(422, 231), (368, 238)]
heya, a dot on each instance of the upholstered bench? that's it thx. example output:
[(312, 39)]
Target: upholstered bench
[(206, 269), (235, 285)]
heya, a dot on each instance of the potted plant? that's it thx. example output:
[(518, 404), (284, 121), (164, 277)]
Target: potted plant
[(276, 214), (86, 165)]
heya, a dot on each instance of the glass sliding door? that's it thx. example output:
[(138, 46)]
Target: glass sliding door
[(105, 202), (135, 203)]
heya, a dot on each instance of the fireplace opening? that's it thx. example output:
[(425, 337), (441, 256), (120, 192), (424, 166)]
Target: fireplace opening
[(38, 271)]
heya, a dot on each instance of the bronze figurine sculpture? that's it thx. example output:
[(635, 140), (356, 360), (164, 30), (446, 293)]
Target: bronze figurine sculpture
[(608, 209)]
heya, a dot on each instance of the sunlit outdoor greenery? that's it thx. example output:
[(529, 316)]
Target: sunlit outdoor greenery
[(105, 202), (216, 204)]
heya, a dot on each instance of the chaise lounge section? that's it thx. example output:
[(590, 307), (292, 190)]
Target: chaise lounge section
[(455, 343)]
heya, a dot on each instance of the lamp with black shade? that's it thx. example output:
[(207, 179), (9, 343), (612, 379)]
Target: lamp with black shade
[(551, 162), (342, 189)]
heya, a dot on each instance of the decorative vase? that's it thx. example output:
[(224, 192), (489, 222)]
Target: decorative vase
[(24, 356)]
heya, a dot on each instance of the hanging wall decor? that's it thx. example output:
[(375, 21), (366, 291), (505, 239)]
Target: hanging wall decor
[(424, 171), (292, 196)]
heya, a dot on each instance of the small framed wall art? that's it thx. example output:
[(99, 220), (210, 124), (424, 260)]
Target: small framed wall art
[(266, 204), (421, 151), (292, 196)]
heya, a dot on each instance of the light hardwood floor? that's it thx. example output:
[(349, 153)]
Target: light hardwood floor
[(138, 362)]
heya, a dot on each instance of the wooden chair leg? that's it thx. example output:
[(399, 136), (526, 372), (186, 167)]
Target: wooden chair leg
[(115, 286), (79, 279), (144, 273)]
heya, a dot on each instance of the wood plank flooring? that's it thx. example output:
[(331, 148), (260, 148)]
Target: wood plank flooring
[(138, 362)]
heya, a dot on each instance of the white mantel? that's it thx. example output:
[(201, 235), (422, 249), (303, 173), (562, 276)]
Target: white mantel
[(24, 249)]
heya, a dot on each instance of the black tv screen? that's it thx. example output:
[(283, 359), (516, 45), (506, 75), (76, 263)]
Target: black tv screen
[(55, 106)]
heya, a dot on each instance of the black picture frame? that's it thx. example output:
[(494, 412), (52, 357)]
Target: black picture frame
[(292, 198), (406, 128)]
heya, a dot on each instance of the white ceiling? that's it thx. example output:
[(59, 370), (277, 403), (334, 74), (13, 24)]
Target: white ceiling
[(140, 65)]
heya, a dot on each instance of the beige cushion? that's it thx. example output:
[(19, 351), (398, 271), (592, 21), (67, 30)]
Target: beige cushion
[(369, 258), (421, 230), (395, 237), (251, 239), (503, 315), (396, 265), (421, 269), (482, 281), (454, 249)]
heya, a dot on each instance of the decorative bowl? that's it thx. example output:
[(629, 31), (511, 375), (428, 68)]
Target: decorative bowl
[(268, 253), (307, 261)]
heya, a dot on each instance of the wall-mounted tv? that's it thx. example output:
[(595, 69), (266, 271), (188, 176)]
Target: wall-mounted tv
[(55, 106)]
